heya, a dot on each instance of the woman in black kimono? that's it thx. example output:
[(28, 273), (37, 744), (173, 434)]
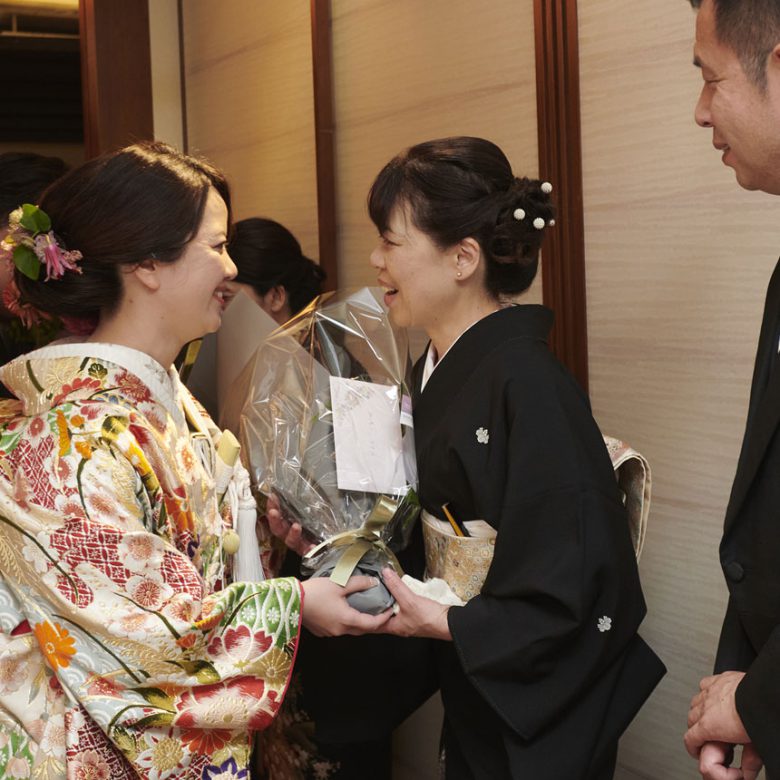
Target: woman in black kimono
[(542, 670)]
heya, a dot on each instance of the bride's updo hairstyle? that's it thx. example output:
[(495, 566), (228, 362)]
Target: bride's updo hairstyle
[(463, 187), (143, 201)]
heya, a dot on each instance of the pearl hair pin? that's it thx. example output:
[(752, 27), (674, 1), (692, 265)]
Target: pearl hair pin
[(538, 223), (546, 187), (518, 214)]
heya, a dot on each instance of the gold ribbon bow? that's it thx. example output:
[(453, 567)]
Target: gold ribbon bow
[(358, 542)]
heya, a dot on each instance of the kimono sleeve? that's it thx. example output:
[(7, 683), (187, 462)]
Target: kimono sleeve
[(136, 637), (562, 599)]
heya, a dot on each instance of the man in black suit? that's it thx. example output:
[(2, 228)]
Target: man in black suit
[(738, 51)]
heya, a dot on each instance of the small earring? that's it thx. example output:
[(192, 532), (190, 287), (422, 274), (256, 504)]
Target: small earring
[(459, 274)]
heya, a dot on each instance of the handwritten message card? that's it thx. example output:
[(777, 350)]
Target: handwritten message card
[(367, 435)]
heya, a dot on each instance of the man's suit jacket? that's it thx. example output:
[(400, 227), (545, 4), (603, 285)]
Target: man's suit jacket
[(750, 550)]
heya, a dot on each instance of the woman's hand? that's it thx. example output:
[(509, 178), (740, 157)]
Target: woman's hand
[(290, 532), (326, 611), (415, 615)]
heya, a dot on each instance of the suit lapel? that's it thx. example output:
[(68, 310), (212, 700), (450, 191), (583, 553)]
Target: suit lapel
[(764, 409)]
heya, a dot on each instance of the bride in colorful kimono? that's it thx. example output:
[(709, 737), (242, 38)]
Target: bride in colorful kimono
[(543, 669), (127, 649)]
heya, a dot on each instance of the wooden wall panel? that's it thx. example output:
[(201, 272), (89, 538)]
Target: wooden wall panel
[(116, 78), (677, 262), (560, 161), (250, 105), (167, 98), (406, 72), (324, 130), (249, 108)]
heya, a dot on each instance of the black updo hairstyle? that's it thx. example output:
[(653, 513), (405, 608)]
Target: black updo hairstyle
[(23, 177), (463, 187), (268, 255), (143, 201)]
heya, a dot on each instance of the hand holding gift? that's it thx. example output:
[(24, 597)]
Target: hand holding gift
[(288, 530), (329, 610)]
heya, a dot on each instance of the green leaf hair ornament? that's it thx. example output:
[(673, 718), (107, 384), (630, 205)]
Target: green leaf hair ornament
[(31, 243)]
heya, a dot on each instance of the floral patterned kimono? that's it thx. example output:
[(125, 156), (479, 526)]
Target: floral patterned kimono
[(123, 651)]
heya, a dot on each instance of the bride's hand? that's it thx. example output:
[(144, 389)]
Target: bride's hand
[(326, 611)]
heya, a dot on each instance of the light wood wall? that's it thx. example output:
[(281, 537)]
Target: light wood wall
[(249, 94), (249, 108), (165, 53), (677, 262), (408, 71)]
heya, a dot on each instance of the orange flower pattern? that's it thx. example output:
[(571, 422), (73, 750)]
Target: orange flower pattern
[(110, 544), (56, 643)]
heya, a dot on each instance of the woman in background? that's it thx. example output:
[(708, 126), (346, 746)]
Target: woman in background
[(543, 669), (272, 269), (125, 650)]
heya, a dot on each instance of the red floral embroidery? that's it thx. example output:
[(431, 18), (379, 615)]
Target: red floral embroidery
[(240, 644), (102, 686), (206, 742), (142, 435), (133, 387), (36, 426), (236, 703), (77, 385)]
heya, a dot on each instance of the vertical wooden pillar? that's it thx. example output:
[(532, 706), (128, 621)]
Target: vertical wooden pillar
[(116, 73), (560, 162), (324, 129)]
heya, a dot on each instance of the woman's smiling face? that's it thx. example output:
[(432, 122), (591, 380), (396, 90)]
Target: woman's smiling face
[(417, 276)]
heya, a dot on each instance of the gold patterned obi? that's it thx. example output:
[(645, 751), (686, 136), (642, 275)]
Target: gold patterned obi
[(461, 561)]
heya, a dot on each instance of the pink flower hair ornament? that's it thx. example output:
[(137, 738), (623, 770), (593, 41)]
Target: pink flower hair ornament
[(31, 244)]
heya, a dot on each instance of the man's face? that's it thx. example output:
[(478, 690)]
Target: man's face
[(745, 119)]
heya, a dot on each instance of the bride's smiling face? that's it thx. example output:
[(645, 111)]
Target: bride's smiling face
[(195, 285)]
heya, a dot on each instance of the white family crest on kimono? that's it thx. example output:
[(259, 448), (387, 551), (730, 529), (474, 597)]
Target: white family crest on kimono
[(124, 652)]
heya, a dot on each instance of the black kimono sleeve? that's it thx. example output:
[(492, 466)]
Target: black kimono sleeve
[(562, 600)]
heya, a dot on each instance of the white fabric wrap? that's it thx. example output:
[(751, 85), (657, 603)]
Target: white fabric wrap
[(247, 566)]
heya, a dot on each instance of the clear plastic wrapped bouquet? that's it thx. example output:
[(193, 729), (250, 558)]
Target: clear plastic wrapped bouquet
[(326, 424)]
